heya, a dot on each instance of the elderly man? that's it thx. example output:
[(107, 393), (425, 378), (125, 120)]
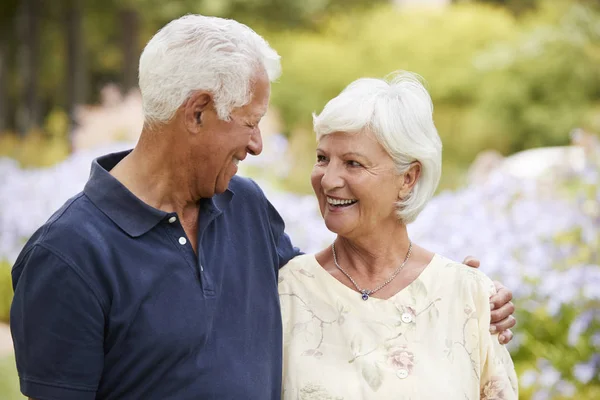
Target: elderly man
[(159, 280)]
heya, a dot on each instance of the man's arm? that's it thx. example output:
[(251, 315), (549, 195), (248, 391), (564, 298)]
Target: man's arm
[(57, 324), (502, 308), (285, 250)]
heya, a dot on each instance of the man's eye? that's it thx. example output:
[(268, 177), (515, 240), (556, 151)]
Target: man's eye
[(321, 159)]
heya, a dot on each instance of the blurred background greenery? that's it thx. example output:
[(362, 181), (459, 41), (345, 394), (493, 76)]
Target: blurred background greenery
[(506, 75)]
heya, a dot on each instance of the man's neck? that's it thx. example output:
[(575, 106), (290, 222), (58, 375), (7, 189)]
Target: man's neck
[(154, 175)]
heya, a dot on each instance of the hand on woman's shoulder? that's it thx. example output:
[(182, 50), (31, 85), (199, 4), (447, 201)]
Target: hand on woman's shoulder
[(470, 280)]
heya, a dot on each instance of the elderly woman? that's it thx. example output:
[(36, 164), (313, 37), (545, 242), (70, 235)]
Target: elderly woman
[(374, 315)]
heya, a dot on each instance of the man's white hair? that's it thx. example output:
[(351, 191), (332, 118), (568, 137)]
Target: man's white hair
[(196, 52), (398, 111)]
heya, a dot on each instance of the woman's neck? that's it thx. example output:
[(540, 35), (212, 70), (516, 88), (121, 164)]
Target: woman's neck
[(374, 255)]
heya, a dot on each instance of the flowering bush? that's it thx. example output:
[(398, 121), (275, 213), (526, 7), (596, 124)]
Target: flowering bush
[(537, 233)]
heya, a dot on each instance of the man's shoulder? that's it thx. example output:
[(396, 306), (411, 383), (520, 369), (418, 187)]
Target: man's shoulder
[(245, 186), (248, 195), (69, 230)]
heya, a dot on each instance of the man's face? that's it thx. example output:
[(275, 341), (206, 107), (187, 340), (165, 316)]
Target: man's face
[(223, 144)]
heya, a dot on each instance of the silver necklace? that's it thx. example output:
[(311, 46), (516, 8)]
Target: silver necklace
[(365, 293)]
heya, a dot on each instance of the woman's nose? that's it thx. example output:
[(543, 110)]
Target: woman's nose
[(331, 178)]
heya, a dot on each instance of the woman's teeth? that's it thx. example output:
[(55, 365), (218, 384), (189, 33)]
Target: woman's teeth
[(340, 202)]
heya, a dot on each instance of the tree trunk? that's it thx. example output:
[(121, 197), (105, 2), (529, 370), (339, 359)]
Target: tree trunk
[(75, 79), (130, 36), (28, 114), (4, 65), (8, 13)]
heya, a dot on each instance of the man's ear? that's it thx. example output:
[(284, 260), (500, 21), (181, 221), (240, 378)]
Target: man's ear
[(194, 110), (409, 179)]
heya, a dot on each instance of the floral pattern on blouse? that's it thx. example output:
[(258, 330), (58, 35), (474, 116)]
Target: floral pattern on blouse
[(430, 340)]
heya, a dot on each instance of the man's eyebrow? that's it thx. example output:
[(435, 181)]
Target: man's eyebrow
[(257, 116)]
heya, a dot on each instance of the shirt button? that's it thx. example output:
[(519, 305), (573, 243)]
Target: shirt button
[(407, 318), (172, 219), (182, 240), (402, 373), (201, 268)]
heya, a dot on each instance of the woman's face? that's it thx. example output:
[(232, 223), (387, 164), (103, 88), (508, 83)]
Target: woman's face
[(356, 184)]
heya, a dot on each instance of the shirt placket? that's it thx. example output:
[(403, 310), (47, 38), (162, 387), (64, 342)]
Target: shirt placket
[(196, 262)]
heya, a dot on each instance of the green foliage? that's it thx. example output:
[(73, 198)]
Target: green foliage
[(543, 85), (496, 81), (9, 380), (6, 291), (37, 149), (274, 14), (545, 337), (551, 337)]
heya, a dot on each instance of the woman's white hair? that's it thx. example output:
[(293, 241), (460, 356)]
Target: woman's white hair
[(398, 111), (196, 52)]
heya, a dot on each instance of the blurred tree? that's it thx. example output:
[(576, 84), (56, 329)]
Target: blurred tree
[(75, 78), (4, 63), (8, 12), (290, 14), (130, 22), (542, 85), (270, 14), (88, 43), (516, 6), (28, 30), (515, 84)]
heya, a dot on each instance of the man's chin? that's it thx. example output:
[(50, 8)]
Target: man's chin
[(222, 186)]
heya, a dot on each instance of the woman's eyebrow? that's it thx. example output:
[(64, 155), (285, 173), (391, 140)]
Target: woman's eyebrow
[(355, 154)]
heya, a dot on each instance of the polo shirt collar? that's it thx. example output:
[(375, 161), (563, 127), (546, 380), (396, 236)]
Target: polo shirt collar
[(126, 210)]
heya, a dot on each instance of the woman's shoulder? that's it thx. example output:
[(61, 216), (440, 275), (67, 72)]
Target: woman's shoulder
[(299, 262), (302, 265), (460, 276)]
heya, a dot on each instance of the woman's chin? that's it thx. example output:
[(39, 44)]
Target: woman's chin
[(336, 226)]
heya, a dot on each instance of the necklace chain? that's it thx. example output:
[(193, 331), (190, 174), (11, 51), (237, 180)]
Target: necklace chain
[(365, 293)]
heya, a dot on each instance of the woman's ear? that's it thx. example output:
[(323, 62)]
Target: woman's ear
[(409, 179)]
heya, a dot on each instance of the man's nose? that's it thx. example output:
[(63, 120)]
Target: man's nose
[(255, 146)]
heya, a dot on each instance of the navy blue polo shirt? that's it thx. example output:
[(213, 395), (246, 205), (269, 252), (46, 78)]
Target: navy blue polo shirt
[(111, 302)]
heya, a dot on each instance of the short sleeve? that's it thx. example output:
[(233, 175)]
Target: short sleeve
[(285, 250), (57, 324), (498, 379)]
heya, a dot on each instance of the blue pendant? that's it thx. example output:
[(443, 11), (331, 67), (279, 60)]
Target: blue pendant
[(365, 295)]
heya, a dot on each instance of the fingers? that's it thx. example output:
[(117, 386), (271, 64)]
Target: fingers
[(505, 336), (502, 318), (503, 325), (471, 262), (501, 298), (500, 314), (499, 286)]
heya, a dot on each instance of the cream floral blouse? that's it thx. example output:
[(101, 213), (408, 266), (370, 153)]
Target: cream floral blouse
[(429, 341)]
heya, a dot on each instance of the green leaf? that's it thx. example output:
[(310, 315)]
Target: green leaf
[(372, 375)]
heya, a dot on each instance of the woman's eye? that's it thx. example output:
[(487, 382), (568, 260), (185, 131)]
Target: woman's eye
[(354, 163)]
